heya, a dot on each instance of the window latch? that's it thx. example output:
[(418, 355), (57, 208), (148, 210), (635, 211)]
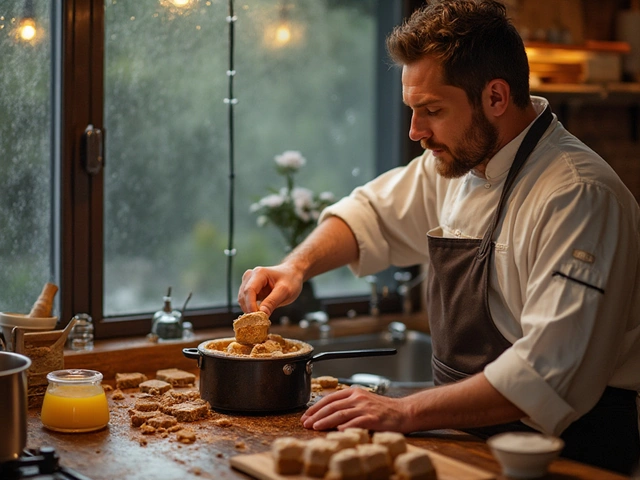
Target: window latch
[(92, 151)]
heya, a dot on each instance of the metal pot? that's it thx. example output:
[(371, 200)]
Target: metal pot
[(13, 404), (259, 384)]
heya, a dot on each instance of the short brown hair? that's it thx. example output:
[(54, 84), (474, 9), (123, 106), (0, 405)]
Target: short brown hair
[(473, 40)]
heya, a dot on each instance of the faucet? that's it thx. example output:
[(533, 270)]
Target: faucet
[(405, 285), (398, 331)]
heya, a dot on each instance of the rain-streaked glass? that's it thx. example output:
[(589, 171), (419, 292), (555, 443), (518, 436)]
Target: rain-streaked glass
[(25, 153), (305, 81)]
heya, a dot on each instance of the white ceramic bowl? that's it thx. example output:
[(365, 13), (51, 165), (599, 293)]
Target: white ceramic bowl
[(10, 320), (25, 321), (525, 454)]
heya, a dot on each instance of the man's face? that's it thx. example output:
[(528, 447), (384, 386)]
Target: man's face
[(443, 121)]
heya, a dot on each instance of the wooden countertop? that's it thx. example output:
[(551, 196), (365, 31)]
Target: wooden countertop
[(122, 452)]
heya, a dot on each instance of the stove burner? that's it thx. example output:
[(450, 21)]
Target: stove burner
[(38, 464)]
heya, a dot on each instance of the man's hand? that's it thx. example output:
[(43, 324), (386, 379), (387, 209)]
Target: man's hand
[(356, 407), (469, 403), (271, 286), (329, 246)]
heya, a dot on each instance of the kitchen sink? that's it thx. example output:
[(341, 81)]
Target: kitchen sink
[(410, 367)]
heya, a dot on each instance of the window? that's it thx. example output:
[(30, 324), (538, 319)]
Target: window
[(152, 75), (26, 166)]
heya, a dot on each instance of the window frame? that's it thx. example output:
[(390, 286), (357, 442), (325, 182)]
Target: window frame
[(78, 89)]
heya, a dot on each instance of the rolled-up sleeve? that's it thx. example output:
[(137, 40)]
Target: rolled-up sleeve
[(389, 217)]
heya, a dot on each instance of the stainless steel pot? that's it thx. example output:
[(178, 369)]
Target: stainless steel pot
[(258, 384), (13, 404)]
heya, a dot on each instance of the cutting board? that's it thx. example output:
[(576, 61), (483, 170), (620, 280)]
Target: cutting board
[(261, 466)]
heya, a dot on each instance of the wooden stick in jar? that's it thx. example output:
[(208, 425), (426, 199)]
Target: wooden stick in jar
[(44, 305)]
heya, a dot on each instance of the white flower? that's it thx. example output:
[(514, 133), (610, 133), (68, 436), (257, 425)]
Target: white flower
[(293, 210), (302, 197), (291, 159), (272, 201)]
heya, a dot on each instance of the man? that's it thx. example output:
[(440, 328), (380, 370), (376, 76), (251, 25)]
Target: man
[(532, 248)]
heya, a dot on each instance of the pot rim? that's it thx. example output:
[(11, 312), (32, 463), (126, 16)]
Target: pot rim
[(285, 357)]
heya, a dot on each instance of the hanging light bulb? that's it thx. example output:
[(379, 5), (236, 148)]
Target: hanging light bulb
[(283, 33), (27, 26), (27, 29), (178, 5)]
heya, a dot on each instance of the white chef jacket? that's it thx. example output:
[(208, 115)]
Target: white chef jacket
[(568, 215)]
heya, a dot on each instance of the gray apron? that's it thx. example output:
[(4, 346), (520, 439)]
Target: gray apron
[(465, 338)]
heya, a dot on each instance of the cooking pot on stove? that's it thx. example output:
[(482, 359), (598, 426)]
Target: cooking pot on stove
[(13, 404), (237, 383)]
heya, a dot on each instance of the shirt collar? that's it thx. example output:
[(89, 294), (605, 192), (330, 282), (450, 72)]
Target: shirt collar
[(500, 164)]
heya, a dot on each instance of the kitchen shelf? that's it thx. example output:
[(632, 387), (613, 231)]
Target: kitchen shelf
[(583, 94)]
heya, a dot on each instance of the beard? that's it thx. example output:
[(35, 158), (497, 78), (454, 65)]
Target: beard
[(479, 143)]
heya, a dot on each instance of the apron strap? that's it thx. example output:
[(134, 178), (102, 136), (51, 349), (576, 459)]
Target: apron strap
[(528, 144)]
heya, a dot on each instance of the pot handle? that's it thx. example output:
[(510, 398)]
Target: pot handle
[(374, 352), (191, 353), (194, 354)]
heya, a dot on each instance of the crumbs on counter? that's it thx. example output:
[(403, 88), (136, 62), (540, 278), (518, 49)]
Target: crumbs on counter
[(159, 414), (223, 422), (186, 436), (240, 445), (106, 387), (117, 394)]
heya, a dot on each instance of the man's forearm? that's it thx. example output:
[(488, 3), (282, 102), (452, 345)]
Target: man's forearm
[(330, 245), (473, 402)]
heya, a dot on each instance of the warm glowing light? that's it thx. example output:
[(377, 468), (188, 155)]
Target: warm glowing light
[(27, 29), (283, 34), (181, 3)]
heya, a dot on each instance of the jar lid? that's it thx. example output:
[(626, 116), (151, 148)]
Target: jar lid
[(74, 376)]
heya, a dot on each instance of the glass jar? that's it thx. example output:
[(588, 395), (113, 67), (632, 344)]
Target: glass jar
[(81, 335), (75, 401)]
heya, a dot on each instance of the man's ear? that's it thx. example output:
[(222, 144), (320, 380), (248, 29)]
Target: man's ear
[(496, 97)]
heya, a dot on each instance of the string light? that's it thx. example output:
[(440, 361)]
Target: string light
[(230, 100)]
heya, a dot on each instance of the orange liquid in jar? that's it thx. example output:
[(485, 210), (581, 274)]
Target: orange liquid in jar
[(75, 408)]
